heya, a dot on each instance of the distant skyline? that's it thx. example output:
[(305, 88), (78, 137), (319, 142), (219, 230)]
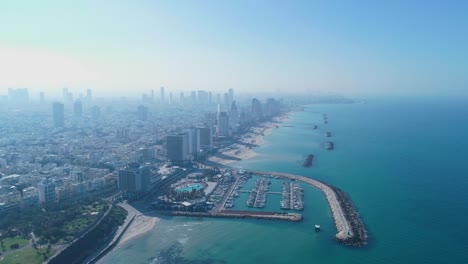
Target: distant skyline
[(129, 47)]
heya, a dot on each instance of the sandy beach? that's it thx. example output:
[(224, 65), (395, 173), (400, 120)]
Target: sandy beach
[(245, 148), (141, 224)]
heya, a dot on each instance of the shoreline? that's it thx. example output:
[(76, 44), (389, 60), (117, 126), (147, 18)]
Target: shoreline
[(244, 149)]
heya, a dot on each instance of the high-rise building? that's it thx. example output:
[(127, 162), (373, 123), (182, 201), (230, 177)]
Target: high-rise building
[(206, 137), (210, 98), (67, 96), (58, 113), (233, 114), (226, 99), (19, 95), (218, 98), (46, 191), (231, 95), (193, 96), (42, 97), (182, 98), (257, 110), (89, 95), (272, 108), (177, 147), (122, 133), (142, 113), (134, 180), (162, 94), (95, 112), (203, 98), (223, 124), (78, 108), (170, 98), (193, 142)]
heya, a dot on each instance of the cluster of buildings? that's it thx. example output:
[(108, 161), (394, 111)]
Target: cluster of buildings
[(50, 152)]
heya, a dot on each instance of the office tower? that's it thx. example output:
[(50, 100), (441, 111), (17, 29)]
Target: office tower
[(58, 113), (78, 108), (206, 137), (142, 113), (223, 124), (67, 96), (89, 95), (218, 99), (194, 97), (95, 112), (42, 97), (210, 98), (170, 98), (46, 191), (177, 147), (233, 114), (182, 98), (272, 108), (19, 95), (202, 97), (257, 110), (231, 95), (226, 99), (134, 180), (152, 95), (193, 142), (162, 94)]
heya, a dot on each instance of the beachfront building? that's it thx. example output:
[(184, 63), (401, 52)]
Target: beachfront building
[(177, 147), (134, 180)]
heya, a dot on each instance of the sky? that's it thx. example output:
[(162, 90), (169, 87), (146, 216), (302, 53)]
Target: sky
[(129, 46)]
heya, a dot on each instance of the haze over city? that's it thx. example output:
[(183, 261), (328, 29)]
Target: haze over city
[(122, 47), (227, 132)]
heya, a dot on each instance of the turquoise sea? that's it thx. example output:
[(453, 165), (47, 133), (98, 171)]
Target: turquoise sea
[(403, 162)]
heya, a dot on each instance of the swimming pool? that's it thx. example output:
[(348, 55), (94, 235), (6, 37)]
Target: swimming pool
[(190, 187)]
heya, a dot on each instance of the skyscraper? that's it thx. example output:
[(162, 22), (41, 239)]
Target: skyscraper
[(193, 142), (78, 108), (41, 97), (162, 94), (231, 95), (257, 110), (223, 124), (177, 147), (206, 137), (89, 95), (142, 113), (58, 113), (134, 180)]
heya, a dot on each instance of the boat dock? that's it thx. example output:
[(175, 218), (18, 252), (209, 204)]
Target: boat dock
[(350, 229)]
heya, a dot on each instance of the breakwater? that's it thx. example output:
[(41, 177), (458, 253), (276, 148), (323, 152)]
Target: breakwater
[(240, 214), (308, 161), (350, 229)]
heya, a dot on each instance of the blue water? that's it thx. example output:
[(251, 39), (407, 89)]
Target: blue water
[(190, 188), (401, 161)]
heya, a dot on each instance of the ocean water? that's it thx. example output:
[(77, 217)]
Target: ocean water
[(403, 162)]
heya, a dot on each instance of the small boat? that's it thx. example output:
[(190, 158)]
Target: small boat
[(317, 227)]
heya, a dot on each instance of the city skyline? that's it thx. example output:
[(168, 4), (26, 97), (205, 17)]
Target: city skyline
[(348, 48)]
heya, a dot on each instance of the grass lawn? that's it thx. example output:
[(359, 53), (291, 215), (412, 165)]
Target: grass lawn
[(12, 240), (29, 256)]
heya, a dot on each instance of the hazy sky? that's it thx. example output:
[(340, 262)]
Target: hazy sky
[(377, 47)]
